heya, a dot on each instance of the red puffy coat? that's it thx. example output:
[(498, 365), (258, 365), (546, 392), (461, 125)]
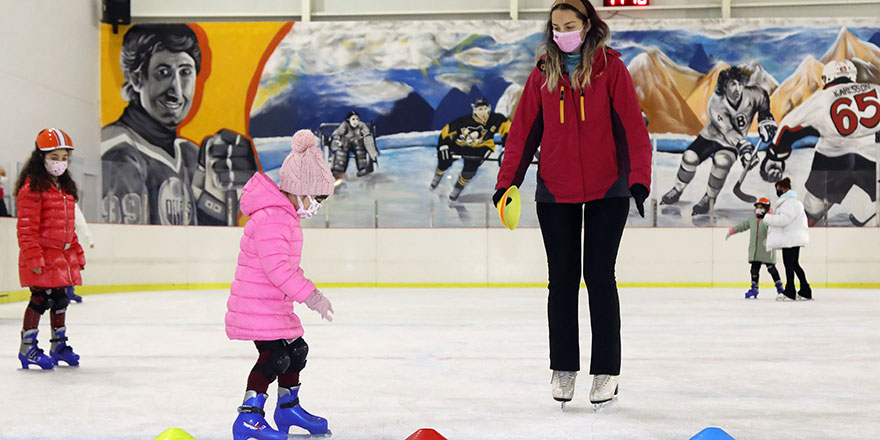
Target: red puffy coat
[(47, 239), (594, 143)]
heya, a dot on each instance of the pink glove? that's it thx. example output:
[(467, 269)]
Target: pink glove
[(317, 302)]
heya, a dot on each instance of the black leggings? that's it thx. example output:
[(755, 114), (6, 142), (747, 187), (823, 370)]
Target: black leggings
[(603, 222), (792, 267), (756, 270)]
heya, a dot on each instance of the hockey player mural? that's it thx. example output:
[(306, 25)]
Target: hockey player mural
[(178, 146), (843, 121), (471, 138), (353, 136), (731, 110), (152, 175)]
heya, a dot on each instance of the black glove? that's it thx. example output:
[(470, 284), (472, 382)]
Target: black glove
[(640, 194), (226, 161), (772, 169), (497, 196)]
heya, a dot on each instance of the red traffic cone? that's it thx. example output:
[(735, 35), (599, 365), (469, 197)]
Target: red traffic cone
[(426, 434)]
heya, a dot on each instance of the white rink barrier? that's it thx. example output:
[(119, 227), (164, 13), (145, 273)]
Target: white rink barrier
[(189, 255)]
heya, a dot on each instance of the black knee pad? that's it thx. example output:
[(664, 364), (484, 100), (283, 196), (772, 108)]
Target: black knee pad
[(298, 351), (39, 301), (59, 298), (279, 359)]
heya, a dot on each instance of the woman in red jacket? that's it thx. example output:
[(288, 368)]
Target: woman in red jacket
[(50, 257), (579, 104)]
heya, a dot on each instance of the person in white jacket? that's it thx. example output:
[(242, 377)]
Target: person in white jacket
[(85, 235), (789, 231)]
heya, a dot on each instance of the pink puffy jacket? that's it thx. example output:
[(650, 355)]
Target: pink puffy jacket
[(268, 278)]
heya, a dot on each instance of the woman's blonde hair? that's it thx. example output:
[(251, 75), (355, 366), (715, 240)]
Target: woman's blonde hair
[(597, 37)]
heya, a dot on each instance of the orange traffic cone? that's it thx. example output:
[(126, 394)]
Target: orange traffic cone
[(426, 434)]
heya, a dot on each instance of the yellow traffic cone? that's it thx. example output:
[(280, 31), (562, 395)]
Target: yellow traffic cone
[(174, 434)]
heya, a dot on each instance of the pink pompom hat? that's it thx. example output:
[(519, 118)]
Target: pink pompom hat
[(304, 171)]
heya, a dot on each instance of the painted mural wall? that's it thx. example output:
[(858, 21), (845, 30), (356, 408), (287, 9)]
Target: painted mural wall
[(401, 109)]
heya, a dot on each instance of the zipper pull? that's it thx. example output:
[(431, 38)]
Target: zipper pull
[(561, 104), (583, 114)]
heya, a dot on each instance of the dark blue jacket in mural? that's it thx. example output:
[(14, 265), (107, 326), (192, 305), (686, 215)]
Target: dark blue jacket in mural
[(593, 141)]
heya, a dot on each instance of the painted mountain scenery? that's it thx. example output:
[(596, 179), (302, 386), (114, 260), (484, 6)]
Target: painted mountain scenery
[(411, 79)]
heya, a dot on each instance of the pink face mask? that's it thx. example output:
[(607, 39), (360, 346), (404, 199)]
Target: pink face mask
[(56, 167), (568, 42)]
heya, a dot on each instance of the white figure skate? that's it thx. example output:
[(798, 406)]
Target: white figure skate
[(563, 386), (604, 391)]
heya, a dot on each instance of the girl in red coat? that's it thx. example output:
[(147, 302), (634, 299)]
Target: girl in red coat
[(50, 257), (579, 104)]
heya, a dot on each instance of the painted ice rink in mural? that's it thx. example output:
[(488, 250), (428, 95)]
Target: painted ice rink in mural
[(397, 194), (410, 81)]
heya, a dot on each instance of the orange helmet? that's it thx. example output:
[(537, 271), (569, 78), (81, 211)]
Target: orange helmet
[(763, 201), (53, 139)]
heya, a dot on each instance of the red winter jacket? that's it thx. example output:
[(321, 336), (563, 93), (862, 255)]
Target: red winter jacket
[(47, 239), (594, 143)]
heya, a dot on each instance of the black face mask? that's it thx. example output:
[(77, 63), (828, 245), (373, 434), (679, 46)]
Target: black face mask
[(780, 192)]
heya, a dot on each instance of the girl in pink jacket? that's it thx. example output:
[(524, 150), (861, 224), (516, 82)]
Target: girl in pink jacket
[(268, 280)]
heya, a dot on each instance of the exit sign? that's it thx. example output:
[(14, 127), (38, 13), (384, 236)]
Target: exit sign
[(627, 2)]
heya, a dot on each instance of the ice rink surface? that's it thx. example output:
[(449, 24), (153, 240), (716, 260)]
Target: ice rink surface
[(470, 363)]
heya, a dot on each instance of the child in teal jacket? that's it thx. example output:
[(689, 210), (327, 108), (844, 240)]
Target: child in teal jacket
[(758, 253)]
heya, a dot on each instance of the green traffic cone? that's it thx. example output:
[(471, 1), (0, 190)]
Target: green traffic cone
[(174, 434)]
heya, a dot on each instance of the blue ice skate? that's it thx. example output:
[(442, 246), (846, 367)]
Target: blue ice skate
[(30, 354), (60, 351), (72, 295), (780, 290), (289, 413), (251, 421), (753, 292)]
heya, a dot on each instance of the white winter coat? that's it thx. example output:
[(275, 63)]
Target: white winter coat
[(82, 228), (788, 223)]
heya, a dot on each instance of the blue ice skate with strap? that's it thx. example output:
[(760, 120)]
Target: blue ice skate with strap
[(60, 351), (72, 295), (251, 421), (289, 413), (30, 354), (753, 292)]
